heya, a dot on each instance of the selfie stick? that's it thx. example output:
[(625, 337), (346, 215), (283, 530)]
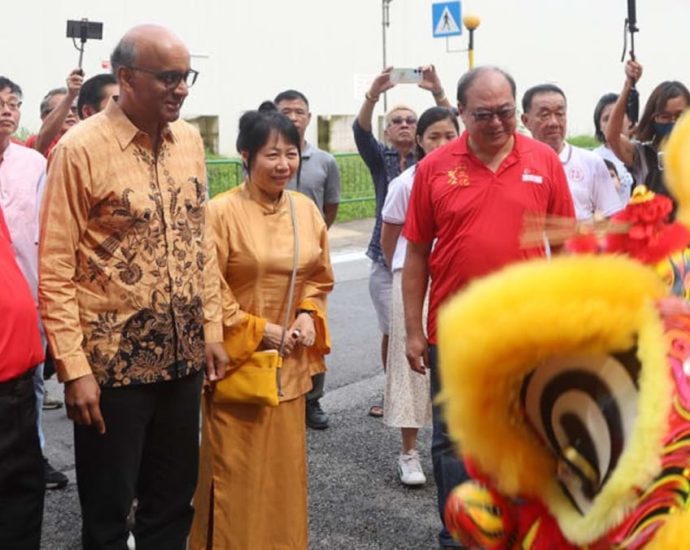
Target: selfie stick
[(471, 22), (633, 107)]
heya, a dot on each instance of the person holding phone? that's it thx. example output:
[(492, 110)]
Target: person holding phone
[(642, 154), (58, 114), (385, 162)]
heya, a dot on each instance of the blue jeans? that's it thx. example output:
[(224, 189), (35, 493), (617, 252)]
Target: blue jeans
[(40, 391), (449, 471)]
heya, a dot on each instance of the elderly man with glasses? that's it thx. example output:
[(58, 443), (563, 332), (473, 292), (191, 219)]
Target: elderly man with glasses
[(130, 297), (385, 163), (593, 190), (22, 466), (470, 200)]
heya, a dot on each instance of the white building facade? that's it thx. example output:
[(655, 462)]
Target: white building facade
[(247, 51)]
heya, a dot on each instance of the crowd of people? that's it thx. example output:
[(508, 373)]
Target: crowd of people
[(118, 272)]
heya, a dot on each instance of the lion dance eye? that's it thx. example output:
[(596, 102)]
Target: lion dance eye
[(583, 407), (478, 516)]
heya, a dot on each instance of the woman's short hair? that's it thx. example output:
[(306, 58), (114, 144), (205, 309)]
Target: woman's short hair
[(668, 89), (429, 117), (604, 101), (257, 127)]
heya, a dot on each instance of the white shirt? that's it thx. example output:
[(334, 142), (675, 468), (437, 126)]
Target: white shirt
[(591, 185), (626, 177), (22, 174), (395, 210)]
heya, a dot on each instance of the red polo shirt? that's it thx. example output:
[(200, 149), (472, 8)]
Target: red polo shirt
[(20, 341), (476, 216), (31, 143)]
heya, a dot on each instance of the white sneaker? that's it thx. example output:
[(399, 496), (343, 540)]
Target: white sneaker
[(410, 469)]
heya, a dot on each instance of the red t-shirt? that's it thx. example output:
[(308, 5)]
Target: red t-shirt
[(31, 143), (20, 341), (476, 216)]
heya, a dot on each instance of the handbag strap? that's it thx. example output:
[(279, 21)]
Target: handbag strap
[(293, 277)]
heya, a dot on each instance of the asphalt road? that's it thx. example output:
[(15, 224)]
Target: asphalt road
[(356, 499)]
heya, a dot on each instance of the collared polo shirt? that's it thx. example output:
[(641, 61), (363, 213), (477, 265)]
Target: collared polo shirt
[(477, 216), (22, 174), (384, 165), (319, 177), (20, 341), (127, 271), (590, 183)]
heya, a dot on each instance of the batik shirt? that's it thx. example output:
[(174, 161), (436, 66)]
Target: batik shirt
[(127, 275)]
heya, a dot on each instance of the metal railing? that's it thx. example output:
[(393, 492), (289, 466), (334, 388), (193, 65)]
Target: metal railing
[(356, 189)]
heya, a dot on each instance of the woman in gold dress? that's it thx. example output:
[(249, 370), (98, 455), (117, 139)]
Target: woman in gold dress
[(252, 489)]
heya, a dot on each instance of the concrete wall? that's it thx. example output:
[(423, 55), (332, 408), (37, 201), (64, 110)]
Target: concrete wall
[(250, 49)]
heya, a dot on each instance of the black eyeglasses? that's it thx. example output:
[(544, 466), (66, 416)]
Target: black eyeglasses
[(485, 115), (11, 104), (398, 120), (171, 79)]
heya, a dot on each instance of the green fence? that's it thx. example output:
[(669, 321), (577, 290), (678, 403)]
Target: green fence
[(356, 190)]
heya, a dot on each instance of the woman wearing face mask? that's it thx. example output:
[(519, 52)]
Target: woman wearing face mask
[(641, 155), (252, 489), (407, 403)]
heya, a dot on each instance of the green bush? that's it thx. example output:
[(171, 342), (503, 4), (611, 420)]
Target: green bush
[(584, 140)]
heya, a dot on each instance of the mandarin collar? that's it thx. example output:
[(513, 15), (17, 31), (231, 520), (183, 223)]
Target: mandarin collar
[(268, 208)]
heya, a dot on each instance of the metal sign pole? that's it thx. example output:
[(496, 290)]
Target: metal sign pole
[(385, 23)]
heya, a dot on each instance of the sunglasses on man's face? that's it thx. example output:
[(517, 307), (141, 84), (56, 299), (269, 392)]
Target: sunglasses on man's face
[(398, 120)]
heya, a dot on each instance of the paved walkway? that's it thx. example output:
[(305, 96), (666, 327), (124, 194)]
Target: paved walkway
[(350, 237)]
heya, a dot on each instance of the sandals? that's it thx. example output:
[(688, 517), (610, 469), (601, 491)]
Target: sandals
[(376, 411)]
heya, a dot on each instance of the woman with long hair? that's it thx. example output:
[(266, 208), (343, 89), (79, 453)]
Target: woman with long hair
[(407, 402), (642, 154), (252, 489)]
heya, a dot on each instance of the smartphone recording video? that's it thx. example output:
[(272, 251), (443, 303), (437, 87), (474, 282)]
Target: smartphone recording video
[(406, 76)]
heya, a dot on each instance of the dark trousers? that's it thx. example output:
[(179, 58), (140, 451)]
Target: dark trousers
[(150, 451), (22, 483), (317, 381), (449, 471)]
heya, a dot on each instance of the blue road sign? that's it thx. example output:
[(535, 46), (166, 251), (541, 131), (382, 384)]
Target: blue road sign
[(446, 18)]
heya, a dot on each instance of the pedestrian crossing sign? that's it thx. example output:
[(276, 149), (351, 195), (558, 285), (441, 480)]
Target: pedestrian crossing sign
[(446, 18)]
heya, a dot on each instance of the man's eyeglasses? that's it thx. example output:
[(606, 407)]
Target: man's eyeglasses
[(486, 115), (171, 79), (398, 120), (11, 104)]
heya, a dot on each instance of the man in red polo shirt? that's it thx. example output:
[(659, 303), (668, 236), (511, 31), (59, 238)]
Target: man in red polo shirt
[(21, 472), (471, 197)]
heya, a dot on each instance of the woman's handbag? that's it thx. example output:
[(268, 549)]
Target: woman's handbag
[(257, 380)]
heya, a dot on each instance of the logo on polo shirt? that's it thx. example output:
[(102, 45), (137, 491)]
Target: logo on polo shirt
[(575, 173), (529, 177), (459, 176)]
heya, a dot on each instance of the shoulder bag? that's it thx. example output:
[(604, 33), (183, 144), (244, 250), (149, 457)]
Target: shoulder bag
[(257, 380)]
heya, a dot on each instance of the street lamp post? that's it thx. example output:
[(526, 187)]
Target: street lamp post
[(471, 22), (385, 23)]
